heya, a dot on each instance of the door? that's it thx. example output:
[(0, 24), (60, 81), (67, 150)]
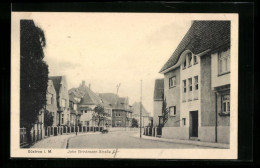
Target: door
[(194, 124)]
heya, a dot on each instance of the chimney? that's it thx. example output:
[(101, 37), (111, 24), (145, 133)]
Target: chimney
[(83, 83)]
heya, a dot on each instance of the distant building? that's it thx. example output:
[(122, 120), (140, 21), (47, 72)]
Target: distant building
[(74, 113), (158, 100), (146, 121), (87, 101), (121, 110), (62, 98)]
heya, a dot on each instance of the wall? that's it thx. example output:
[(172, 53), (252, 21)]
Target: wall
[(207, 95), (86, 117), (157, 111), (193, 104), (172, 96), (215, 78), (175, 132)]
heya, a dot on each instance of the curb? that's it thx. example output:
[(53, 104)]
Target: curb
[(197, 143), (68, 140)]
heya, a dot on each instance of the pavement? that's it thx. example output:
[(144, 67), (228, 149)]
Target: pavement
[(190, 142), (60, 141)]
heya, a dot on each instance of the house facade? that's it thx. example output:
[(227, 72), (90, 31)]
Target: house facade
[(201, 64), (62, 98), (51, 103), (122, 113), (74, 113)]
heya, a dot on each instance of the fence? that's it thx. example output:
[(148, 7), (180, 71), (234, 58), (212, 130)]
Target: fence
[(38, 134), (113, 129), (153, 131)]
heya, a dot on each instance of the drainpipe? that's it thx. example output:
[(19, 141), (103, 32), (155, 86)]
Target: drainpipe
[(216, 115)]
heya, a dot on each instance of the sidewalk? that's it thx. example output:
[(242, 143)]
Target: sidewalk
[(58, 141), (190, 142)]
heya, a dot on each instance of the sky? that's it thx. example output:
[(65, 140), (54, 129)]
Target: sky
[(106, 49)]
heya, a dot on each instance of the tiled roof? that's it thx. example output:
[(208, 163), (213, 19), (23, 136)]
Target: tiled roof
[(136, 109), (158, 89), (88, 97), (56, 82), (119, 103), (202, 35), (109, 98)]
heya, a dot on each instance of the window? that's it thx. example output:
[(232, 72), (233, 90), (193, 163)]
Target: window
[(184, 90), (62, 118), (82, 111), (226, 104), (224, 61), (196, 85), (189, 59), (190, 84), (63, 103), (190, 89), (184, 64), (172, 111), (86, 111), (183, 121), (172, 82), (195, 59)]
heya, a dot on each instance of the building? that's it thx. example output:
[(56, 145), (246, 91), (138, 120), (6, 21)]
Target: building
[(51, 103), (146, 121), (74, 113), (121, 110), (197, 84), (158, 97), (62, 98), (87, 101)]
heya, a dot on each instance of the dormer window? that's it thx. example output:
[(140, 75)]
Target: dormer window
[(189, 59), (195, 60), (184, 63)]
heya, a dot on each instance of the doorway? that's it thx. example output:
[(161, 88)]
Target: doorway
[(193, 124)]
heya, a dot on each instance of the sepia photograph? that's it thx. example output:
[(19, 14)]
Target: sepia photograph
[(124, 85)]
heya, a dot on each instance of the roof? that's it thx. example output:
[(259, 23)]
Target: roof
[(117, 103), (158, 89), (109, 98), (71, 98), (136, 109), (56, 83), (90, 98), (201, 36)]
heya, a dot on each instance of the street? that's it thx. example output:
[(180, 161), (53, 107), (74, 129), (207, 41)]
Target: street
[(121, 140)]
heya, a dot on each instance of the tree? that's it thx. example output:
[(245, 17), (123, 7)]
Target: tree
[(165, 112), (99, 114), (48, 118), (134, 122), (33, 74)]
